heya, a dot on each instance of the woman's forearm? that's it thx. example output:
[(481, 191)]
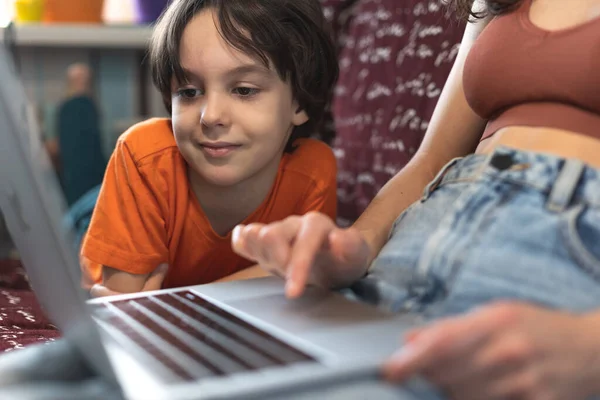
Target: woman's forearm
[(400, 192)]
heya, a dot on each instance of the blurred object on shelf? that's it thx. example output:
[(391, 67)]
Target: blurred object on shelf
[(148, 11), (7, 10), (28, 10), (69, 11), (118, 12)]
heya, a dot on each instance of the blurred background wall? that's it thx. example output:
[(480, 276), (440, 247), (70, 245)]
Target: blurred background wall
[(109, 36)]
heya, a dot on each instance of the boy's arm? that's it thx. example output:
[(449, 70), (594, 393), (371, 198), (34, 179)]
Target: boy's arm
[(121, 281), (249, 273), (127, 232), (115, 282)]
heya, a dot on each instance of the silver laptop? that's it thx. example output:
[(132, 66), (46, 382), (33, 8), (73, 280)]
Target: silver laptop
[(230, 340)]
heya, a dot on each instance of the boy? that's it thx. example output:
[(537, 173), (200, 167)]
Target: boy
[(245, 82)]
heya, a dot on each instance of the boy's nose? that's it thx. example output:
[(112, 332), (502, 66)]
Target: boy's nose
[(214, 112)]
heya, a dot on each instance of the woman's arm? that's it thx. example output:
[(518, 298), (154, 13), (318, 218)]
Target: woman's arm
[(454, 131)]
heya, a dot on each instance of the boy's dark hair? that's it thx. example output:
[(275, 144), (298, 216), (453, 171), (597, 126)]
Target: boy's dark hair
[(292, 35)]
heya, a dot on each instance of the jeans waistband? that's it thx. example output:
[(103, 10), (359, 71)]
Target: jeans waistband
[(564, 180)]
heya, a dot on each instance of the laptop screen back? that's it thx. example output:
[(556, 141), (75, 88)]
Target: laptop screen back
[(33, 207)]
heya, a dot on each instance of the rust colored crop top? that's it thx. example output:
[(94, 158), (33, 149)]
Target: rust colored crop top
[(517, 74)]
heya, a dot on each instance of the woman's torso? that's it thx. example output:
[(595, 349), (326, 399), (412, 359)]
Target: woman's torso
[(544, 25)]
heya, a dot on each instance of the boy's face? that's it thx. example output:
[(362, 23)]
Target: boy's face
[(233, 118)]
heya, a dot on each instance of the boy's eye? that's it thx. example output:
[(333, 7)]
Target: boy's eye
[(245, 91), (188, 93)]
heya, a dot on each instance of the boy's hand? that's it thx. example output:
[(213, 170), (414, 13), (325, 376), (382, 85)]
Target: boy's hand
[(153, 282), (305, 250)]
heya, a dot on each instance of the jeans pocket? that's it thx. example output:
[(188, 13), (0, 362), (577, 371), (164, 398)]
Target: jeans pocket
[(403, 214), (581, 233)]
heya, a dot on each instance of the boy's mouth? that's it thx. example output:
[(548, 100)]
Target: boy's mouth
[(218, 149)]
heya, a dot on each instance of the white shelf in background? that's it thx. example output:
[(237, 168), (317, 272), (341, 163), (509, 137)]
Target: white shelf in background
[(79, 35)]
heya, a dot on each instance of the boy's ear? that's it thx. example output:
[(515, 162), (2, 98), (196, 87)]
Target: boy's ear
[(300, 117)]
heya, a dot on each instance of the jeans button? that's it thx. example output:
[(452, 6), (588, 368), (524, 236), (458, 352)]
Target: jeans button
[(502, 161)]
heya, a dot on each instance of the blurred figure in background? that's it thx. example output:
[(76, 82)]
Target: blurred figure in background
[(79, 149)]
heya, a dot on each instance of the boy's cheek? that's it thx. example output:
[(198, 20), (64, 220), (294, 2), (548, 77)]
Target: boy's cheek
[(184, 117), (175, 107)]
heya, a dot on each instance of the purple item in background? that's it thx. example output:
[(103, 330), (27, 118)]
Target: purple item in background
[(148, 11)]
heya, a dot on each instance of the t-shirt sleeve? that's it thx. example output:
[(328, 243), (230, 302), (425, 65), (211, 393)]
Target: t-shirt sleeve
[(322, 195), (127, 230)]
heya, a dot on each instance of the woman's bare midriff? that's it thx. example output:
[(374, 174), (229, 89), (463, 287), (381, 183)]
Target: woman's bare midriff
[(558, 142)]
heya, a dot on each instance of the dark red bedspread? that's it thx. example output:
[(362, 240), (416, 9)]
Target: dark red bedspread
[(22, 321)]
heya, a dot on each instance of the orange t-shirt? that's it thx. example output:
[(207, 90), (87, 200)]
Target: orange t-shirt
[(147, 214)]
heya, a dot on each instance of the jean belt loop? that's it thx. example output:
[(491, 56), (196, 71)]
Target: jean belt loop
[(438, 178), (565, 185)]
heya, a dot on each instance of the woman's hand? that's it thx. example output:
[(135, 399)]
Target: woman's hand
[(305, 250), (505, 351)]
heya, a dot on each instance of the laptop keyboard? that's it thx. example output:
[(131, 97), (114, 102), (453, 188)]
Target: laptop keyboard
[(195, 339)]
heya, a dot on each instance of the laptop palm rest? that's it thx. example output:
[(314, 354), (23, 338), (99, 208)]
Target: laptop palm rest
[(332, 322)]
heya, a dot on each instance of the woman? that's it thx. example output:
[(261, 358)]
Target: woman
[(498, 238)]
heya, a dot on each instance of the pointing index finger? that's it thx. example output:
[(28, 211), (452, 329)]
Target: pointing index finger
[(313, 234)]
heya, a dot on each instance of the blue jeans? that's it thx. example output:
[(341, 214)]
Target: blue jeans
[(512, 225), (507, 226)]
